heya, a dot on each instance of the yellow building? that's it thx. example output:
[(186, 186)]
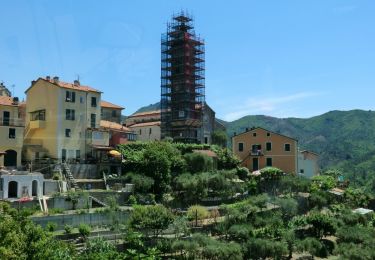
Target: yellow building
[(11, 131), (148, 131), (62, 120), (258, 148), (110, 112)]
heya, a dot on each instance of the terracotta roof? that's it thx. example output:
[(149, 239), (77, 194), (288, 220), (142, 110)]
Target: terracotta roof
[(155, 123), (274, 133), (145, 113), (7, 101), (113, 126), (206, 152), (63, 84), (109, 105)]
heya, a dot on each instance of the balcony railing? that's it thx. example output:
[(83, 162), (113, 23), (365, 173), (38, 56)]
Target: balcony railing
[(5, 121), (256, 152)]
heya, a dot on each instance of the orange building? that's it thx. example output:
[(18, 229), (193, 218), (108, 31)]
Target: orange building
[(258, 148)]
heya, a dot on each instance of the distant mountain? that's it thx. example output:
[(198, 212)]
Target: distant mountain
[(343, 139), (148, 108)]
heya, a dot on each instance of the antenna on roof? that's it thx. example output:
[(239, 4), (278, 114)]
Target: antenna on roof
[(13, 87)]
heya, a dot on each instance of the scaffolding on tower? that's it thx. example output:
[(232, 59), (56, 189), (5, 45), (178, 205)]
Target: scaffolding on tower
[(182, 81)]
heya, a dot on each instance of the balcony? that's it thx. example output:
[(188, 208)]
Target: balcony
[(257, 152), (36, 124), (9, 121)]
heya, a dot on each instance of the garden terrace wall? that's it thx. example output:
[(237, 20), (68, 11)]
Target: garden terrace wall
[(92, 219)]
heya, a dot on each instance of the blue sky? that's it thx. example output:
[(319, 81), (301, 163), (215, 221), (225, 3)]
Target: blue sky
[(278, 58)]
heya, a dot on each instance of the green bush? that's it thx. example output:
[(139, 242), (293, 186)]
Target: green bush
[(84, 230), (54, 211), (68, 229), (197, 212), (51, 226), (132, 200), (197, 162)]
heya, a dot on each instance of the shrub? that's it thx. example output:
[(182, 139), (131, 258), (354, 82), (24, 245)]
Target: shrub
[(132, 200), (51, 226), (197, 162), (242, 172), (197, 212), (54, 211), (68, 229), (84, 230)]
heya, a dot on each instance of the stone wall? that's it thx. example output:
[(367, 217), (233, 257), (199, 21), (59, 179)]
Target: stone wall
[(92, 219)]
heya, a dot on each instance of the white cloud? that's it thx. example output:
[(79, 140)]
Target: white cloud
[(267, 105)]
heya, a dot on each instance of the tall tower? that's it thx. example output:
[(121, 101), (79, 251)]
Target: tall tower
[(182, 81)]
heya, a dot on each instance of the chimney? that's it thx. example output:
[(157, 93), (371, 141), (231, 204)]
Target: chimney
[(55, 79), (15, 101), (76, 82), (48, 78), (33, 82), (247, 129)]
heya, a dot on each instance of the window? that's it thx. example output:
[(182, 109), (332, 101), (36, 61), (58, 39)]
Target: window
[(93, 101), (38, 115), (254, 134), (63, 156), (268, 146), (12, 133), (268, 134), (269, 162), (70, 96), (287, 147), (302, 171), (69, 114), (93, 120), (37, 155), (67, 132), (78, 154), (181, 113), (150, 131), (140, 131), (114, 113), (240, 147), (81, 99)]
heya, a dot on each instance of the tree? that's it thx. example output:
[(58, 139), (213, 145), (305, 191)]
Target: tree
[(219, 137), (73, 197), (197, 162), (310, 245), (154, 218), (321, 224), (323, 182), (197, 212), (289, 207), (84, 230), (318, 199), (22, 239), (256, 248)]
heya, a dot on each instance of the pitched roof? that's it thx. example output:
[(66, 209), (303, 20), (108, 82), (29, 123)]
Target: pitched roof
[(255, 128), (7, 101), (63, 84), (113, 126), (154, 123), (146, 113), (107, 104)]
